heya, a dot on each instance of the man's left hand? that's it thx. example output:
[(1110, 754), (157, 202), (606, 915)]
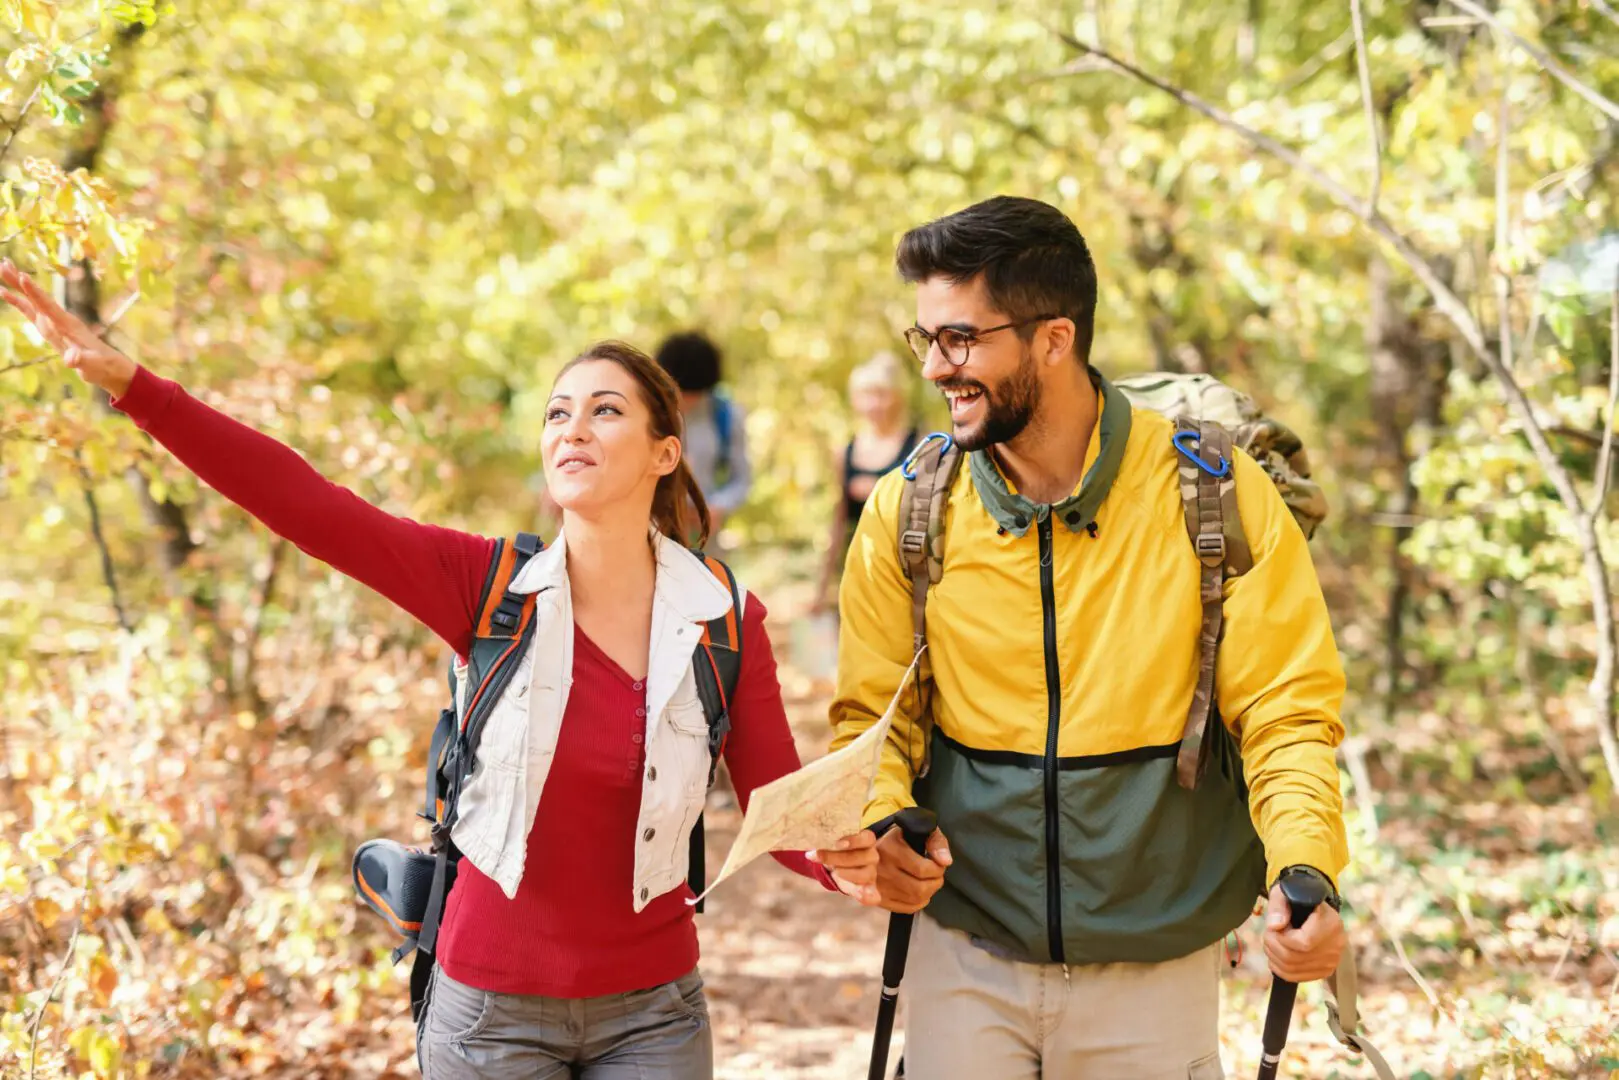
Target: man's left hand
[(1309, 953)]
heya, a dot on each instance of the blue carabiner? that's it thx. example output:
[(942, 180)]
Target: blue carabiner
[(1180, 440), (907, 467)]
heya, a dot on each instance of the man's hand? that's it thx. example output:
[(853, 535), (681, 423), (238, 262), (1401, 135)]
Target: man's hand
[(906, 880), (1309, 953), (853, 864)]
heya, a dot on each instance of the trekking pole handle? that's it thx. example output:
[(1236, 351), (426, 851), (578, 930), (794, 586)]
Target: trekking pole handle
[(1304, 893), (917, 825)]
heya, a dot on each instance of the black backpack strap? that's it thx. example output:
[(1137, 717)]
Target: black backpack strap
[(504, 627), (717, 668)]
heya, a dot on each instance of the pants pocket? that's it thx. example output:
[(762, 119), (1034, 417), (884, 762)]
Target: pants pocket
[(456, 1012), (685, 997), (1206, 1068)]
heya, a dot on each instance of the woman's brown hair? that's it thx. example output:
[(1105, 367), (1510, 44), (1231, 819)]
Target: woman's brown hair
[(678, 507)]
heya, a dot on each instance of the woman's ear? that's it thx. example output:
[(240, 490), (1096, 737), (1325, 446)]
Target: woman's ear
[(666, 458)]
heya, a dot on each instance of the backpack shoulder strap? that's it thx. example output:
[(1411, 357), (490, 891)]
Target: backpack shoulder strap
[(1207, 492), (505, 623), (717, 669), (504, 617), (717, 663), (929, 471)]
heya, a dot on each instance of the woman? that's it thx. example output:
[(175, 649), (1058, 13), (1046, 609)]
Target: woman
[(884, 435), (567, 947)]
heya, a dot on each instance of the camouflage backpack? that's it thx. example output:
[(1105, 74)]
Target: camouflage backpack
[(1211, 421)]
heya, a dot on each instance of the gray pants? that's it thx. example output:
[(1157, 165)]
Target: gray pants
[(469, 1034)]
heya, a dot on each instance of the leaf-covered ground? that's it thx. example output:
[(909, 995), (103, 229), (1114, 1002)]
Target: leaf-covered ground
[(1485, 923)]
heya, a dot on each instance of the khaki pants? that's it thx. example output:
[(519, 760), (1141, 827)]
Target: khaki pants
[(975, 1016)]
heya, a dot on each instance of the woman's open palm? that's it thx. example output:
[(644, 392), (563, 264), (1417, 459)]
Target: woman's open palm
[(97, 363)]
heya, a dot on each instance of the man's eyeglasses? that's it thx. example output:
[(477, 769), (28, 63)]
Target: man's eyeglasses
[(957, 342)]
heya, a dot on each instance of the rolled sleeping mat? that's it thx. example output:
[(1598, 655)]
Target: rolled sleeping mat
[(395, 882)]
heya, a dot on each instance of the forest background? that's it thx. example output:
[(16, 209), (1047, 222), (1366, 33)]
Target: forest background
[(376, 230)]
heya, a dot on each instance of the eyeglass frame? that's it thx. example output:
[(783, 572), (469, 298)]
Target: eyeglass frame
[(973, 337)]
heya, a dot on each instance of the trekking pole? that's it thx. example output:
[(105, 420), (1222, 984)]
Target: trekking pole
[(917, 825), (1304, 894)]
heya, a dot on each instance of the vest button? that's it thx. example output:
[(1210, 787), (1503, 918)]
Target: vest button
[(649, 834)]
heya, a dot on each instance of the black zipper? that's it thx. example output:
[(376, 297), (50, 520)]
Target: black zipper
[(1048, 611)]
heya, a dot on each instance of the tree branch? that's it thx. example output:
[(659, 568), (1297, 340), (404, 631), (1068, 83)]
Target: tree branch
[(61, 973), (1605, 455), (1472, 334), (107, 570), (26, 364), (1453, 307), (1366, 101), (1543, 58), (1316, 64), (22, 114), (1602, 6), (1503, 228)]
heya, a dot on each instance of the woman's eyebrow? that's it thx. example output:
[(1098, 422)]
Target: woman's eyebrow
[(594, 394)]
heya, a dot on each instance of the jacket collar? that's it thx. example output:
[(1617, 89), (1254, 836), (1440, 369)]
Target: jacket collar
[(683, 581), (1015, 513)]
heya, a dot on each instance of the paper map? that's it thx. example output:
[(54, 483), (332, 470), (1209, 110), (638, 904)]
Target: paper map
[(818, 804)]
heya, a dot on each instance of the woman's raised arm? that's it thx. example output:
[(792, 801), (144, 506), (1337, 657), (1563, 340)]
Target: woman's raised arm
[(433, 573)]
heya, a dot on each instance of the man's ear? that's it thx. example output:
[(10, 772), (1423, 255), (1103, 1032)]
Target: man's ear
[(1058, 335)]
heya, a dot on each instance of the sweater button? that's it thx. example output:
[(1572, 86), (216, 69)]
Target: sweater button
[(649, 834), (638, 686), (636, 738), (640, 712)]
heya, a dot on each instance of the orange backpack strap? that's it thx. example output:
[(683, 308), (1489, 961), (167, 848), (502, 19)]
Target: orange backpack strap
[(717, 668), (505, 624)]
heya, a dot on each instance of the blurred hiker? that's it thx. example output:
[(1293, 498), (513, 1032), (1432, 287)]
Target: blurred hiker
[(714, 435), (884, 434), (568, 946), (1075, 895)]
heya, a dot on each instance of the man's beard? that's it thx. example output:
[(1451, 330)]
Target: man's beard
[(1009, 406)]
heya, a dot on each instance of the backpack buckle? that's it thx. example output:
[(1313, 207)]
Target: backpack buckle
[(1211, 545), (913, 541)]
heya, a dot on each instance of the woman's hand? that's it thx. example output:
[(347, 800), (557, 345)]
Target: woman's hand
[(854, 866), (97, 363)]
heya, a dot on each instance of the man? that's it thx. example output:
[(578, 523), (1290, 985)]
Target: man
[(1075, 895), (714, 444)]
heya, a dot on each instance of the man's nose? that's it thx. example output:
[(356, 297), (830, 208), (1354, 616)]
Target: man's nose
[(935, 366)]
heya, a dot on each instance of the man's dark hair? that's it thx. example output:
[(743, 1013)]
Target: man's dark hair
[(692, 360), (1033, 259)]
